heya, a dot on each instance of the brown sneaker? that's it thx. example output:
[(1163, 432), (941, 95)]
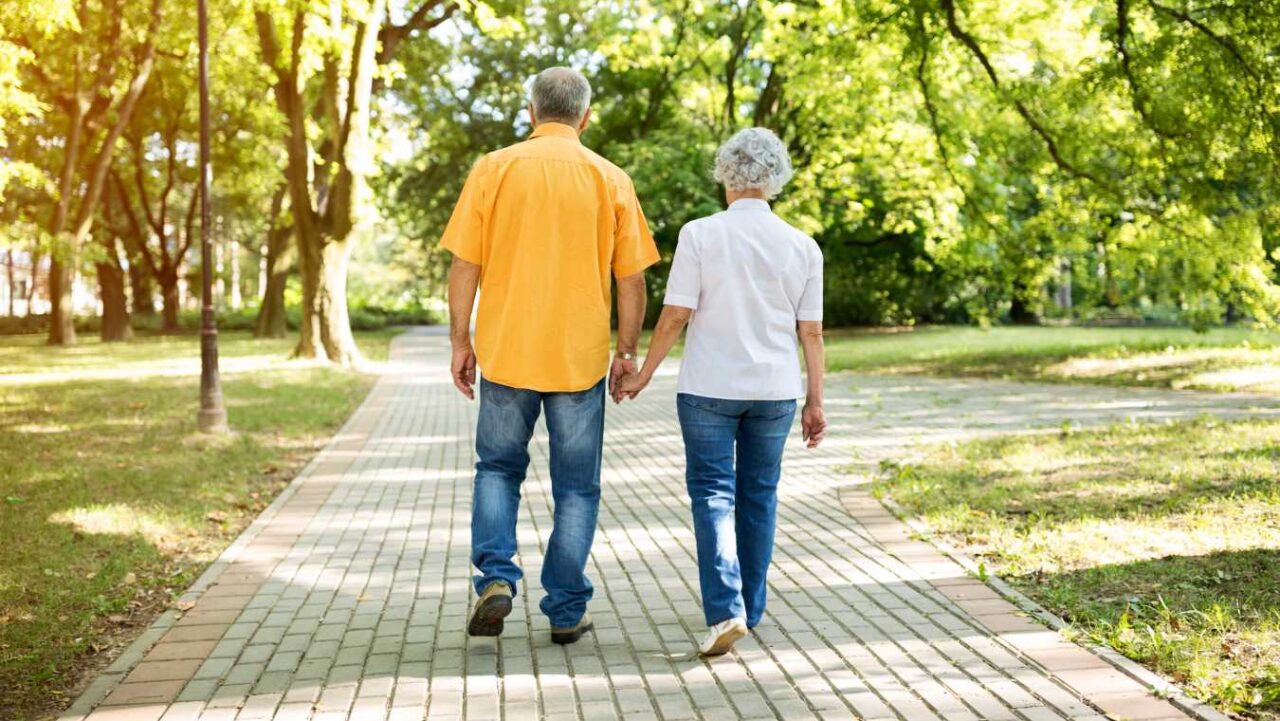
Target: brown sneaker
[(572, 633), (492, 606)]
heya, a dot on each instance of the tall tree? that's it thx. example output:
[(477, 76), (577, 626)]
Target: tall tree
[(93, 73), (328, 171)]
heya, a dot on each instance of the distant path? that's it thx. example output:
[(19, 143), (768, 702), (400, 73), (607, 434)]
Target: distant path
[(347, 599)]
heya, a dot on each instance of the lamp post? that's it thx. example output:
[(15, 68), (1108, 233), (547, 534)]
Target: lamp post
[(213, 414)]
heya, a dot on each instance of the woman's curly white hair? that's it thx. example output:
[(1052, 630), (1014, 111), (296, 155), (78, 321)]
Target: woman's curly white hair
[(754, 159)]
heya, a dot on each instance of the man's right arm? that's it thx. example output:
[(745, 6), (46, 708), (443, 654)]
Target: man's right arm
[(464, 280), (632, 299)]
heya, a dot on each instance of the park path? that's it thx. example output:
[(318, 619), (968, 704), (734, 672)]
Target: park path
[(347, 598)]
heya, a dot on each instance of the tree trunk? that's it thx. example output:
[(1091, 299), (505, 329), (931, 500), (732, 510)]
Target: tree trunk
[(1021, 313), (13, 289), (271, 315), (169, 294), (62, 329), (236, 298), (115, 306), (274, 273), (35, 280), (271, 319), (140, 287), (326, 325)]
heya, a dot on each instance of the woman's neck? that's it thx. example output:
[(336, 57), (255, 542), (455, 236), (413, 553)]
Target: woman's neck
[(731, 196)]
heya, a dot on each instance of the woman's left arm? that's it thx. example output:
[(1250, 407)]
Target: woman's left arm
[(813, 420)]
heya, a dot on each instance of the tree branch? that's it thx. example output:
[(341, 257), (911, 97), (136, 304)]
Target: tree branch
[(1141, 103), (421, 20), (959, 33), (135, 225), (185, 245)]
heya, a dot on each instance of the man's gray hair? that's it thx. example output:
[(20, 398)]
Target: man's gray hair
[(754, 159), (561, 95)]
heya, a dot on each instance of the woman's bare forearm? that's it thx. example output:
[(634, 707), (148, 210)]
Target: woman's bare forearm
[(815, 360), (665, 334)]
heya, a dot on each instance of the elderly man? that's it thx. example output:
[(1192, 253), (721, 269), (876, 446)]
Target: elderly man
[(541, 226)]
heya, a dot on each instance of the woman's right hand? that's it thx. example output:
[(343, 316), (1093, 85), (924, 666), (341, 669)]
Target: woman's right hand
[(813, 422)]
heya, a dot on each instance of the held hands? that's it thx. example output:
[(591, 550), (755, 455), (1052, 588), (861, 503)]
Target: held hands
[(625, 381), (813, 422), (630, 387)]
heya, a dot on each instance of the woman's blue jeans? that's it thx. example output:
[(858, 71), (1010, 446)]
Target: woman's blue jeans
[(575, 423), (733, 460)]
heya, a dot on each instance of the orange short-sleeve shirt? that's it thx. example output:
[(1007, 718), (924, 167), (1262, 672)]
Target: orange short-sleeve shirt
[(548, 221)]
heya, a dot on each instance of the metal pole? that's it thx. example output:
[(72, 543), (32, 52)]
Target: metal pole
[(213, 414)]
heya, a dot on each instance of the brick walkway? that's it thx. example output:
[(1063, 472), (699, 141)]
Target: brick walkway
[(347, 599)]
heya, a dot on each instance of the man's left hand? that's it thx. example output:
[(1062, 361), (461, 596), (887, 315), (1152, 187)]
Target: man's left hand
[(462, 367)]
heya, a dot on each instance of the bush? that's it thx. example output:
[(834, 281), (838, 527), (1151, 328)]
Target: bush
[(244, 319)]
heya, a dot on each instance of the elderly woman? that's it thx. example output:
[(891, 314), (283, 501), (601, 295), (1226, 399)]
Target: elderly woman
[(745, 282)]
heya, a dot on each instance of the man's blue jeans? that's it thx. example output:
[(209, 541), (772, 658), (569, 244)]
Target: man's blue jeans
[(575, 422), (734, 505)]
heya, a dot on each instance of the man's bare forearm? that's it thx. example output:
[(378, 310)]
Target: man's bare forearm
[(464, 280), (815, 361), (632, 299)]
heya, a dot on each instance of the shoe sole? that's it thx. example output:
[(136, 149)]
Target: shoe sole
[(567, 637), (724, 644), (486, 620)]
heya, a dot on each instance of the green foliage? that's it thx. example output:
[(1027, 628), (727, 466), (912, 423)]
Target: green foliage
[(18, 103), (955, 160)]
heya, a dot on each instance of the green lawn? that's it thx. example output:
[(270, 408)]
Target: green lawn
[(1221, 359), (1162, 541), (111, 503)]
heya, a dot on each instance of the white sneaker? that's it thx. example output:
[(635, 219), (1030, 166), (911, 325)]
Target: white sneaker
[(721, 637)]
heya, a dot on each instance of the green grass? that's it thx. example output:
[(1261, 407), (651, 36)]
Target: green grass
[(111, 502), (1162, 541), (1221, 359)]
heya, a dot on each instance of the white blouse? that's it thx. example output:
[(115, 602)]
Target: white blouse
[(749, 276)]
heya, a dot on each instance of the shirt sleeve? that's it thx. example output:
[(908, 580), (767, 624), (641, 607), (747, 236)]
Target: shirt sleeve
[(810, 305), (464, 235), (633, 246), (684, 285)]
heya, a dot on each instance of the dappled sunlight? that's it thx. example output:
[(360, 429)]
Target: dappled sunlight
[(39, 428), (1098, 367), (120, 519), (1090, 542), (160, 368), (1257, 378)]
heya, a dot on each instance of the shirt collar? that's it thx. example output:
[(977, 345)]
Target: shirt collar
[(750, 204), (559, 130)]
